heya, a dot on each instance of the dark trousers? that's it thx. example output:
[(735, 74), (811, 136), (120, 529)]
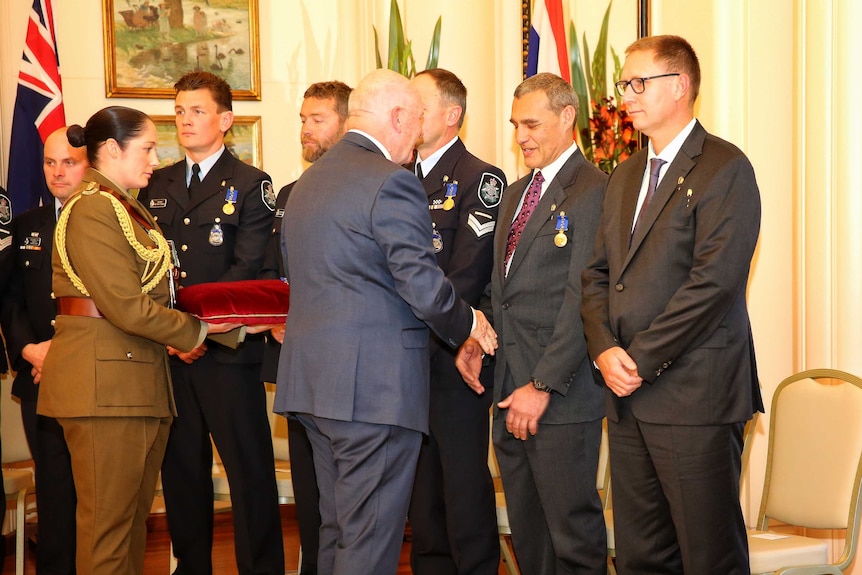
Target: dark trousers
[(229, 402), (453, 518), (558, 526), (55, 492), (365, 473), (305, 491), (676, 498)]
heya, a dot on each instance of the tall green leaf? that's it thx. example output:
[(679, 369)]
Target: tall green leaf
[(434, 50), (600, 74), (579, 84), (588, 70), (377, 48), (396, 39)]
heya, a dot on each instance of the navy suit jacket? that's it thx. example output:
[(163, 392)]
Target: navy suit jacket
[(365, 287), (675, 299)]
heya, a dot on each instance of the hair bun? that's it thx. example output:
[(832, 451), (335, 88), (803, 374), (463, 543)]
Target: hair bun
[(76, 136)]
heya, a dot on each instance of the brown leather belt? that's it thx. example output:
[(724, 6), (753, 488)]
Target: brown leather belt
[(81, 306)]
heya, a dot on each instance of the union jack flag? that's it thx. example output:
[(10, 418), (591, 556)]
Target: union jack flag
[(38, 111)]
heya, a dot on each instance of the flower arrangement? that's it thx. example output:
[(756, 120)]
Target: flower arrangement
[(605, 129)]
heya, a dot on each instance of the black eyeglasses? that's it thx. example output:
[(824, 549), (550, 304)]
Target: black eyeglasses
[(637, 84)]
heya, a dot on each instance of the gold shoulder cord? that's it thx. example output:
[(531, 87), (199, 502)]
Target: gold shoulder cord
[(158, 255)]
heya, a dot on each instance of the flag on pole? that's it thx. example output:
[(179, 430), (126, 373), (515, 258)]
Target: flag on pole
[(38, 111), (547, 51)]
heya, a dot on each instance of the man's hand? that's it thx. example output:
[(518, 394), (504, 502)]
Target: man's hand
[(469, 363), (190, 356), (34, 353), (619, 371), (484, 333), (526, 407), (277, 333)]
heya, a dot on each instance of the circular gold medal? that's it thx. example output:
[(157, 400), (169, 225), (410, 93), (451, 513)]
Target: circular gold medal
[(228, 209), (448, 204), (560, 240)]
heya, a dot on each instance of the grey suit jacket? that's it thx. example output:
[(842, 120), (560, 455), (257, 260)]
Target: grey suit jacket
[(536, 309), (675, 300), (356, 242)]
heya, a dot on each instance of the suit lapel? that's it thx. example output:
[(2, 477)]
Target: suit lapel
[(176, 189), (511, 199), (671, 183)]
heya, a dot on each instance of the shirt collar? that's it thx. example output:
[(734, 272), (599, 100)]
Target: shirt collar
[(374, 141), (431, 161), (205, 165)]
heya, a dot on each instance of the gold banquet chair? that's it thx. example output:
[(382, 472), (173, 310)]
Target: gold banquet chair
[(813, 473), (17, 481)]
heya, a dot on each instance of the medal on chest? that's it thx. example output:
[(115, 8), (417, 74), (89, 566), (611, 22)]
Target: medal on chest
[(451, 192), (560, 240), (230, 199)]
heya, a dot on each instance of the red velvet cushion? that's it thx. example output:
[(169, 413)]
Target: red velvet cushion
[(250, 302)]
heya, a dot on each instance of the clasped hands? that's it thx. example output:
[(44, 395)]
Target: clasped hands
[(619, 371)]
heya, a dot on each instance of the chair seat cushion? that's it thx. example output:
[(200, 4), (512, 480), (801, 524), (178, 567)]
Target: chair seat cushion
[(249, 302), (771, 551)]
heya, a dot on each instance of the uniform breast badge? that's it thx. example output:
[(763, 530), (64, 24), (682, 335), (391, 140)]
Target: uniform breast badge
[(436, 239), (230, 199), (216, 233), (560, 240)]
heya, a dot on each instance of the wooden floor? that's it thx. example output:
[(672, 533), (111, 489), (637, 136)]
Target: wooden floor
[(158, 547)]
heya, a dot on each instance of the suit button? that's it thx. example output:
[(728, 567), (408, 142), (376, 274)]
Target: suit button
[(183, 275), (53, 296), (505, 305), (155, 218), (619, 287), (27, 264), (186, 221), (184, 247), (53, 322), (657, 372), (665, 365)]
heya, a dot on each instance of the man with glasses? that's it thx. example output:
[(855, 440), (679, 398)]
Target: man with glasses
[(666, 322)]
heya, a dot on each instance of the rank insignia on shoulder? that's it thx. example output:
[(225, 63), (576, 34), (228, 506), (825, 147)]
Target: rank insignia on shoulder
[(490, 190), (267, 194), (5, 210), (156, 203), (480, 223)]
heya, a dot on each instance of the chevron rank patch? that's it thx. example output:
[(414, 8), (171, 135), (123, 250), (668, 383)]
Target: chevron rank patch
[(490, 190), (481, 223)]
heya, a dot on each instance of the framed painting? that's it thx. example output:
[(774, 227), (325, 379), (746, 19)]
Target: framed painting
[(150, 44), (243, 140)]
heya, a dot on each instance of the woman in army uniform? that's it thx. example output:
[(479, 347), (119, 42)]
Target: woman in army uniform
[(106, 376)]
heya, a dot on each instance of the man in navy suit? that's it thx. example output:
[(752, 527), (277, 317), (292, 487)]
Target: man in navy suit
[(365, 288), (453, 518), (27, 316), (548, 412), (667, 324)]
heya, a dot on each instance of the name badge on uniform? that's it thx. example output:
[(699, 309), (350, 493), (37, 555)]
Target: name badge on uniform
[(216, 234), (32, 242), (560, 240), (230, 199), (156, 203), (451, 191), (436, 239)]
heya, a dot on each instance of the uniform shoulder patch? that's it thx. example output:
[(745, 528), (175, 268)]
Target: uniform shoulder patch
[(5, 210), (90, 189), (490, 190), (268, 195)]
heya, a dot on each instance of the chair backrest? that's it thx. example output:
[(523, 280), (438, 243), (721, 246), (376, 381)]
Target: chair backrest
[(277, 425), (15, 446), (814, 461)]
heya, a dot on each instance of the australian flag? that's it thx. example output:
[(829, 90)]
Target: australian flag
[(38, 112)]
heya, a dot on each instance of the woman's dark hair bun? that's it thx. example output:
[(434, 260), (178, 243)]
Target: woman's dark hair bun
[(76, 136)]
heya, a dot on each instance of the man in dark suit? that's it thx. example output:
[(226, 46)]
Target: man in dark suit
[(453, 517), (548, 417), (364, 283), (323, 115), (27, 315), (218, 212), (665, 316)]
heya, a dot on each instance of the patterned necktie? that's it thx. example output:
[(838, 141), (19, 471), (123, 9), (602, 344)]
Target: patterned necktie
[(654, 170), (195, 181), (531, 198)]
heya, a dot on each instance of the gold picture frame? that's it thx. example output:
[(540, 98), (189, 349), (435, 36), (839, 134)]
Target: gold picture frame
[(150, 44), (243, 140)]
